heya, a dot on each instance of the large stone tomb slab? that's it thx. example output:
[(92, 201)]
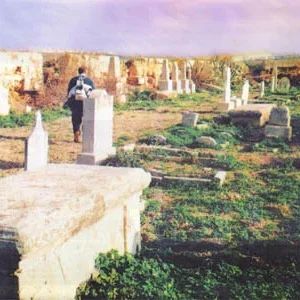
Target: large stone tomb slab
[(56, 220), (251, 114)]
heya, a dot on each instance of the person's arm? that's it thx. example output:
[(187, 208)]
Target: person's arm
[(72, 83), (89, 82)]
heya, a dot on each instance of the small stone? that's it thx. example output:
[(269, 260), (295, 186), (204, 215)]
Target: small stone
[(206, 141), (189, 119), (202, 126), (220, 177), (157, 140), (127, 148)]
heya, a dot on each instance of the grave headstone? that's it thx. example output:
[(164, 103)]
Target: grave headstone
[(165, 84), (227, 85), (185, 83), (97, 127), (189, 119), (36, 146), (273, 84), (245, 93), (175, 78), (284, 84), (262, 89), (4, 105), (279, 124)]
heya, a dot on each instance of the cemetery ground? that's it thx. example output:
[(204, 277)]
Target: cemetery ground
[(204, 241)]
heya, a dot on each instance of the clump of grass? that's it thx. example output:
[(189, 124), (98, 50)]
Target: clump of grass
[(123, 159), (19, 120)]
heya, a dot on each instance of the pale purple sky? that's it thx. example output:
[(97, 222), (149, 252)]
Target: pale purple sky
[(152, 27)]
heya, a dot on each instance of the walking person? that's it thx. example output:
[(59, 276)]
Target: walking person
[(79, 89)]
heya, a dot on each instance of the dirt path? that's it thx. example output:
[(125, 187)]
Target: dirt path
[(133, 124)]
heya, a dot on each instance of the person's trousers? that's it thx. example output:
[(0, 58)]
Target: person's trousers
[(77, 112)]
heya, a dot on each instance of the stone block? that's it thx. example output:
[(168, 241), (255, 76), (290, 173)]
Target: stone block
[(177, 86), (220, 177), (185, 85), (36, 146), (206, 141), (252, 114), (192, 86), (284, 132), (165, 85), (280, 116), (58, 219), (189, 119), (97, 127)]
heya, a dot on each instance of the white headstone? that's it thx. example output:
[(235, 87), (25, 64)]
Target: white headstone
[(4, 105), (36, 146), (183, 73), (262, 89), (97, 138), (165, 70), (185, 83), (175, 71), (245, 92), (227, 86), (273, 84)]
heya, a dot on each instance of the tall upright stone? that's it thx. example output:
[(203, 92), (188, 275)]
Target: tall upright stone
[(185, 83), (175, 78), (114, 68), (275, 72), (4, 104), (227, 85), (262, 89), (36, 146), (192, 85), (273, 84), (245, 93), (165, 84), (97, 138), (115, 83)]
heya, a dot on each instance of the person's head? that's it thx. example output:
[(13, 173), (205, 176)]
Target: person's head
[(82, 70)]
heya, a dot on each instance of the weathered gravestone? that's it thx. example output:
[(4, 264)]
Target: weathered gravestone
[(189, 119), (279, 124), (284, 84), (36, 146), (227, 85), (245, 93), (165, 84), (262, 89), (192, 85), (185, 83), (175, 78), (97, 138)]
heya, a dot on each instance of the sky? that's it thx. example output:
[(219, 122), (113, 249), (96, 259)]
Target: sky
[(152, 27)]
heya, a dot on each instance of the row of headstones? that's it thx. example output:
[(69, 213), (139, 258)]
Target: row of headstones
[(233, 101), (177, 85), (283, 84), (97, 134)]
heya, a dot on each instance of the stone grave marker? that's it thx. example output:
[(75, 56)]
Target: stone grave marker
[(227, 85), (36, 146), (245, 93), (262, 89), (189, 119), (165, 84), (97, 138), (175, 78), (185, 83), (284, 84)]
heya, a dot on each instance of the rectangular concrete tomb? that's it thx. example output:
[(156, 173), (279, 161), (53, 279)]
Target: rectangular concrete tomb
[(56, 220), (251, 114)]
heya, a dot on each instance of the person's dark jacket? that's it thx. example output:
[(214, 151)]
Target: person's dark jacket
[(86, 80)]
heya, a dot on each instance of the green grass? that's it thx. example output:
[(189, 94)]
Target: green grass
[(18, 120)]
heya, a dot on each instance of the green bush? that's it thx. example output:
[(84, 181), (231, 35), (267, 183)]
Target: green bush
[(123, 159), (127, 277)]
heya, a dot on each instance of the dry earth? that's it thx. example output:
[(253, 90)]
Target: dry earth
[(133, 124)]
